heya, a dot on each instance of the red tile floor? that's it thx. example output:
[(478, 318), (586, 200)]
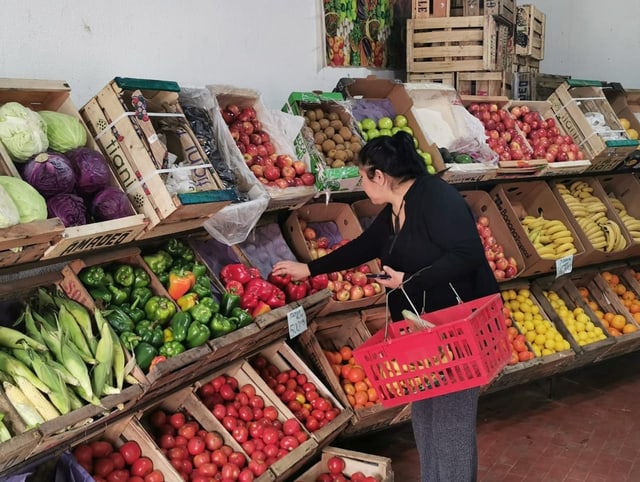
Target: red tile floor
[(578, 426)]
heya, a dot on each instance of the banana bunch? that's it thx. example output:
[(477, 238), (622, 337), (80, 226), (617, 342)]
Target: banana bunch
[(591, 213), (551, 237), (632, 224)]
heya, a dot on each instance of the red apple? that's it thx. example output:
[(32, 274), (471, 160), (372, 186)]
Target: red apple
[(300, 167), (257, 169), (288, 172), (308, 179), (368, 290), (343, 295), (359, 279), (271, 173), (269, 147), (284, 160), (356, 292), (502, 264)]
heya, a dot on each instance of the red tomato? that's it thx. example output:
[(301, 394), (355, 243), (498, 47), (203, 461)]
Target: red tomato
[(206, 390), (142, 466), (167, 441), (121, 475), (213, 441), (83, 453), (248, 389), (179, 453), (103, 466), (246, 475), (208, 470), (335, 465), (158, 419), (135, 478), (230, 471), (357, 477), (201, 459), (154, 476), (195, 446), (97, 478), (131, 451), (189, 430), (101, 448), (118, 460), (177, 420)]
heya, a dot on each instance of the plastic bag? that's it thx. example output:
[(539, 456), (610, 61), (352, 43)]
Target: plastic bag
[(69, 470), (233, 223)]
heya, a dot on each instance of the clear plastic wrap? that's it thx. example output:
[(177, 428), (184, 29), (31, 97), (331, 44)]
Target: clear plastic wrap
[(233, 223)]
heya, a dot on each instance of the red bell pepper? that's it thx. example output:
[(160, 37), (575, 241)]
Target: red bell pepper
[(235, 287), (235, 271), (280, 280), (295, 291), (249, 300), (261, 287), (254, 272), (277, 298), (319, 281), (260, 309)]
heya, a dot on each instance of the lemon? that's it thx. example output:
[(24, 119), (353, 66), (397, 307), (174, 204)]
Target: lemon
[(558, 345), (626, 125), (598, 331), (589, 326), (540, 340), (549, 343), (529, 325), (536, 350), (525, 293), (632, 133), (531, 336), (518, 316), (546, 352)]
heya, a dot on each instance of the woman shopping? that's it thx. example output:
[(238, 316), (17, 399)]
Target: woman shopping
[(427, 240)]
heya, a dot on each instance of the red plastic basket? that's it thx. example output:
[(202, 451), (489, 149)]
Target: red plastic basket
[(467, 348)]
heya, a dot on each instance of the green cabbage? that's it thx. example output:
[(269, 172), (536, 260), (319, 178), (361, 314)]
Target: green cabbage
[(65, 132), (31, 205), (9, 215), (22, 131)]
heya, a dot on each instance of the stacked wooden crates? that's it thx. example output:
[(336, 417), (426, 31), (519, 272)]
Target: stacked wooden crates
[(529, 51), (464, 43)]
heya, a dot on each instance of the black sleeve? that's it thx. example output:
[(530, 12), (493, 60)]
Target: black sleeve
[(364, 248), (452, 228)]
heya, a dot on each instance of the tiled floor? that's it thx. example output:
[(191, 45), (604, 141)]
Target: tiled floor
[(583, 426)]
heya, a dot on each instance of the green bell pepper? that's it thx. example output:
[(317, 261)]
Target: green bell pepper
[(198, 334), (181, 264), (140, 278), (145, 353), (179, 325), (220, 325), (198, 269), (202, 286), (129, 339), (201, 313), (172, 348), (188, 301), (92, 276), (160, 309), (164, 278), (135, 313), (175, 247), (229, 302), (119, 320), (243, 316), (101, 293), (211, 303), (158, 262), (189, 255), (108, 279), (150, 333), (118, 295), (140, 295), (123, 275)]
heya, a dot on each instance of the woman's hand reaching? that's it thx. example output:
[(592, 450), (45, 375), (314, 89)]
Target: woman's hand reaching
[(297, 270), (395, 279)]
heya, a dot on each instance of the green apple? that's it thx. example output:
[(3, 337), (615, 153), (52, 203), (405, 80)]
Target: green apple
[(385, 132), (407, 129), (400, 121), (385, 123), (415, 142), (373, 133), (427, 158), (395, 130), (368, 124), (431, 169), (365, 135)]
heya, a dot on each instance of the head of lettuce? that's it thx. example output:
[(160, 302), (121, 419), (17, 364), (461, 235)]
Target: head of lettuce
[(22, 131)]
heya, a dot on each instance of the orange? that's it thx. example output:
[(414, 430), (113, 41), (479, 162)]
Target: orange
[(609, 316), (614, 332), (369, 404), (512, 332), (615, 279), (352, 361), (361, 386), (606, 276), (618, 322), (372, 394), (344, 371), (361, 398), (629, 328), (620, 289), (356, 374), (345, 353), (634, 308), (593, 305), (336, 369), (629, 295), (636, 316), (357, 406), (604, 320), (584, 292), (352, 401), (348, 388)]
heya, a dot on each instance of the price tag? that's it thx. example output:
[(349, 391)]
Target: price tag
[(564, 265), (297, 320)]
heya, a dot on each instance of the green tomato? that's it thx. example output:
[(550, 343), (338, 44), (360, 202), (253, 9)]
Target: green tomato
[(373, 133), (385, 132), (385, 123), (407, 129), (368, 124), (400, 121)]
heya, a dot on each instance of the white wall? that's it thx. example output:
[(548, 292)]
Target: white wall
[(274, 46)]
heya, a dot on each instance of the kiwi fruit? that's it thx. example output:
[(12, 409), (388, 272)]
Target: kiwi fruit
[(319, 114), (332, 153), (329, 132), (310, 114), (336, 124), (333, 116), (319, 137), (345, 132), (337, 138), (324, 123), (328, 145), (338, 163), (315, 125)]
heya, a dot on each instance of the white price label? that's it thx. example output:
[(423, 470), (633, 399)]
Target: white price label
[(297, 320), (564, 265)]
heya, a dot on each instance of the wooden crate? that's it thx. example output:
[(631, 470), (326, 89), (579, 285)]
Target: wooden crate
[(451, 44), (503, 10), (369, 465), (330, 333), (131, 156), (530, 32), (23, 439), (420, 8), (28, 242), (447, 78), (481, 83)]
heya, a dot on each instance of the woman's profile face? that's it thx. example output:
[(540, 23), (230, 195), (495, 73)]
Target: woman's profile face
[(372, 187)]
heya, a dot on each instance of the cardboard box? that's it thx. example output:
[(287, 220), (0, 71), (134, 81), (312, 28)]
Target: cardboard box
[(392, 90), (326, 216), (288, 198), (625, 188), (591, 254), (572, 102), (52, 95), (535, 198), (481, 204), (346, 178), (617, 97), (135, 160), (369, 465), (366, 211)]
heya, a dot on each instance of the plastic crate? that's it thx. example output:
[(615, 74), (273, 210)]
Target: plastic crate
[(453, 356)]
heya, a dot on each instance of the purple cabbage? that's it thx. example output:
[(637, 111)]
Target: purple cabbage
[(110, 203), (50, 173), (69, 208), (91, 169)]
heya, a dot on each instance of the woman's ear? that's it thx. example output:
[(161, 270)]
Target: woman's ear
[(378, 176)]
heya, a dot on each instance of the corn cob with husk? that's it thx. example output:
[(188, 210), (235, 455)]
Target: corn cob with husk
[(4, 431), (27, 411)]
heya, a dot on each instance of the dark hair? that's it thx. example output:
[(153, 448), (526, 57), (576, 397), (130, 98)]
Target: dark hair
[(393, 155)]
